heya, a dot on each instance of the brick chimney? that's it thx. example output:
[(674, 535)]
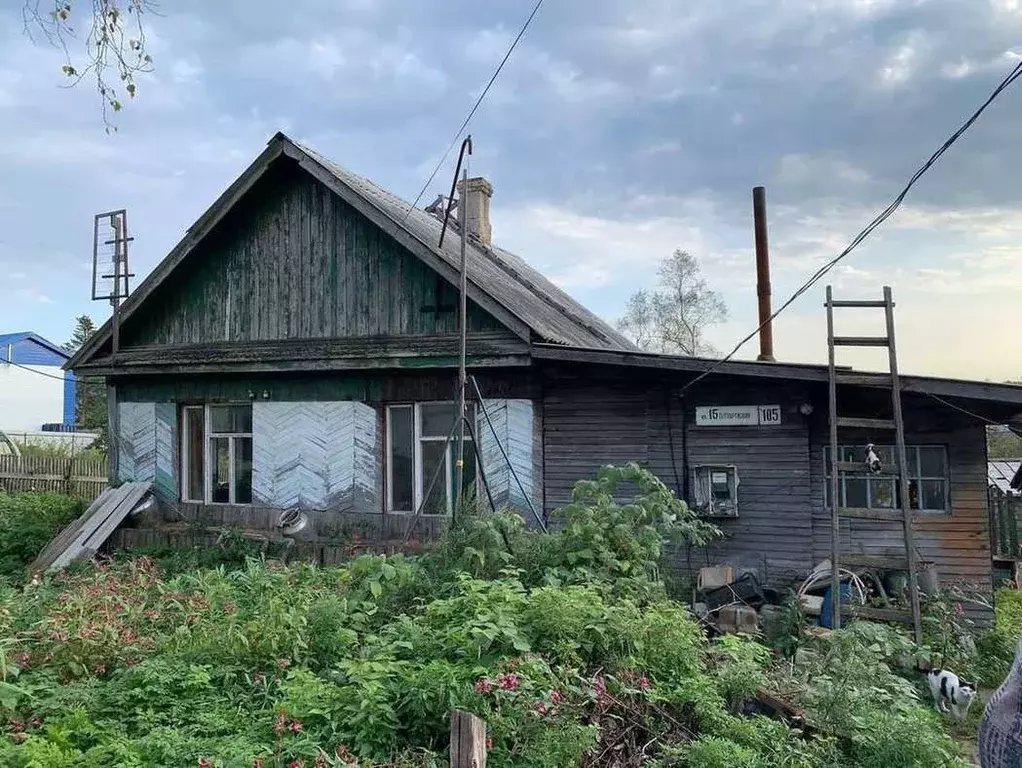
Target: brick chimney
[(474, 207)]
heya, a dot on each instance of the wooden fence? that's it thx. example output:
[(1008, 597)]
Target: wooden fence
[(84, 478)]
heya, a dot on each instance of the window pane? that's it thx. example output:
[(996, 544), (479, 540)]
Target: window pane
[(913, 494), (881, 493), (932, 463), (855, 492), (230, 418), (934, 497), (220, 469), (194, 442), (242, 470), (437, 419), (434, 455), (402, 477), (885, 453), (848, 453)]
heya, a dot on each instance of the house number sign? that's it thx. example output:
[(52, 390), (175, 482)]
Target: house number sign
[(738, 416)]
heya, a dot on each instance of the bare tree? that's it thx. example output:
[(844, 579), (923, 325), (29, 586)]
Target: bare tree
[(115, 44), (673, 318)]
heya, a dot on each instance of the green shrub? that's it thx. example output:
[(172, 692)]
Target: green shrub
[(27, 523), (565, 644)]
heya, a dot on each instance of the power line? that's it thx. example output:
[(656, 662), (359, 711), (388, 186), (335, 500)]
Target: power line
[(33, 370), (472, 112), (869, 228), (974, 415)]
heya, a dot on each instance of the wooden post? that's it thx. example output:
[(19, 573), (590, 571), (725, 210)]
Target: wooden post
[(468, 740)]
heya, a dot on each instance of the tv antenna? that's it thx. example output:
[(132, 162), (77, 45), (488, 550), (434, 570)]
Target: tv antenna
[(110, 273)]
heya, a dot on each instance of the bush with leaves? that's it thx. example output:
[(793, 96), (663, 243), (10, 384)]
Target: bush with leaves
[(27, 523), (565, 643)]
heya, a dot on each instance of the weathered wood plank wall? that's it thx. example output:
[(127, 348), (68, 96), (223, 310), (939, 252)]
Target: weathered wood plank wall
[(773, 529), (959, 542), (299, 263)]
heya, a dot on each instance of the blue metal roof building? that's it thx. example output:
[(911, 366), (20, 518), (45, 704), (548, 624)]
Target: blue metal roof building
[(30, 349)]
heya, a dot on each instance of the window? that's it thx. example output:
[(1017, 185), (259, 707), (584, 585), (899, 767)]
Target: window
[(927, 479), (416, 436), (716, 490), (216, 454)]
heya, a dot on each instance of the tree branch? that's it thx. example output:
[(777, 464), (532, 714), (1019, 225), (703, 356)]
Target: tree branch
[(115, 45)]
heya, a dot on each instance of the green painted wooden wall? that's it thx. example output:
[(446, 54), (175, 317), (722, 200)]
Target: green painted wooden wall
[(294, 262), (303, 387)]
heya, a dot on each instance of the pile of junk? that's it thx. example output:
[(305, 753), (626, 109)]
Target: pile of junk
[(731, 600)]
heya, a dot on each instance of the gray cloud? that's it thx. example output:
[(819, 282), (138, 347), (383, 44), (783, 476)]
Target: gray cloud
[(617, 132)]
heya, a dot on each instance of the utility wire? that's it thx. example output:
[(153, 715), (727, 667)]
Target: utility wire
[(869, 229), (976, 416), (33, 370), (472, 112)]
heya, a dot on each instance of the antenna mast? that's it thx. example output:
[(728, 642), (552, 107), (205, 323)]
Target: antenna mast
[(110, 273)]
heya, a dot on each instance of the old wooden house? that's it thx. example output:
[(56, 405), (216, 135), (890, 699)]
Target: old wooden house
[(298, 348)]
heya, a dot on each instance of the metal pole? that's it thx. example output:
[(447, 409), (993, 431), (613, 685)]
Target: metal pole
[(766, 331), (118, 239), (835, 521), (463, 341)]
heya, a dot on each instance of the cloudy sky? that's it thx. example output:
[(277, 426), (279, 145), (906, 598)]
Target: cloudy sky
[(616, 133)]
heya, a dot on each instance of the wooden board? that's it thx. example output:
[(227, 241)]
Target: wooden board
[(62, 539), (86, 535)]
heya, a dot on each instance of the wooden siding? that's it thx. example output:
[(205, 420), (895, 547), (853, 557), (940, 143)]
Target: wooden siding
[(773, 529), (588, 423), (369, 387), (166, 441), (513, 426), (296, 262), (136, 442), (959, 542), (320, 455)]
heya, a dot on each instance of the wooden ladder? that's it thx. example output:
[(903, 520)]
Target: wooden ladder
[(897, 425)]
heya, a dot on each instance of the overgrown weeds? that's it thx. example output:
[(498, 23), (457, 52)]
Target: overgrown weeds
[(566, 644)]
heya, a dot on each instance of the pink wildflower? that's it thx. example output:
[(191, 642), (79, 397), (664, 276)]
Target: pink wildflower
[(508, 682), (283, 663), (483, 685), (280, 724), (296, 726), (541, 707), (959, 610), (644, 683), (556, 697), (257, 763), (489, 744)]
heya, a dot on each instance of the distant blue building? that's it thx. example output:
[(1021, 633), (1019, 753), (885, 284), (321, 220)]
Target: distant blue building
[(34, 391)]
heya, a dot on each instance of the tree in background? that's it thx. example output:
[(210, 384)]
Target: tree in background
[(114, 43), (673, 318), (90, 408), (1002, 443)]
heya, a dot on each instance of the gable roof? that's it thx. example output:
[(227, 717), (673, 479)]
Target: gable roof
[(7, 339), (500, 282)]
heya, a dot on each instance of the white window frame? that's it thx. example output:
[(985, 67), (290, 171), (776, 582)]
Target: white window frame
[(207, 455), (419, 480)]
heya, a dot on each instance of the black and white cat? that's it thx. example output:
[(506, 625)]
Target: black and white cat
[(950, 693)]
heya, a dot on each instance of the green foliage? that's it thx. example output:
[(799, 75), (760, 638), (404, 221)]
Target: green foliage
[(739, 668), (565, 643), (27, 523), (1003, 444)]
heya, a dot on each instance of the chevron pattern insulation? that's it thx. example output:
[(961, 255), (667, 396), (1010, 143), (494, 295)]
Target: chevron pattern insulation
[(136, 444), (513, 423), (314, 455), (166, 451)]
